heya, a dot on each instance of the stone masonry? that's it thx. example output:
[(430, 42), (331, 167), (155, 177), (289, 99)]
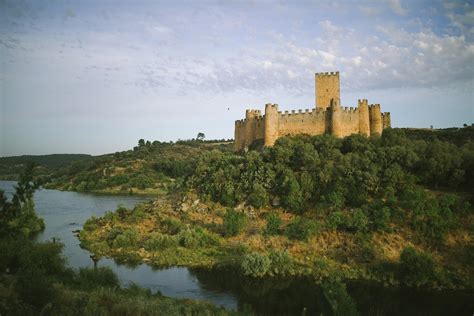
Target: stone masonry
[(328, 116)]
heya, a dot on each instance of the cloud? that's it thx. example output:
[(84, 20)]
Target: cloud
[(396, 7)]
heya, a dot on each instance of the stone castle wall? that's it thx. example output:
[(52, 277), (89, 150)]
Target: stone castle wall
[(331, 119)]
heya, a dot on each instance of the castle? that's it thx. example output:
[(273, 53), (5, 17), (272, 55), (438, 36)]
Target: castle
[(327, 117)]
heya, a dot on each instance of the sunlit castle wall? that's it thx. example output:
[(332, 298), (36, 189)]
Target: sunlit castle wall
[(329, 119)]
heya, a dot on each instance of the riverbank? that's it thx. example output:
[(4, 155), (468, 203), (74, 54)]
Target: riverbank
[(175, 230)]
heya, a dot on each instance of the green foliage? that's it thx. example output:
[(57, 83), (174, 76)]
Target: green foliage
[(281, 262), (172, 226), (18, 217), (126, 239), (379, 216), (431, 217), (98, 277), (274, 222), (90, 224), (259, 196), (416, 269), (159, 241), (197, 237), (255, 264), (301, 229), (353, 220), (234, 222)]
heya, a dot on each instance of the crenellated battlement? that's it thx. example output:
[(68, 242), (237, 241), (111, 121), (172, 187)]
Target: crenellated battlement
[(328, 116), (374, 107), (326, 74), (350, 109)]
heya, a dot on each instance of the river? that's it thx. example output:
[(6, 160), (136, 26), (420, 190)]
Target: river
[(65, 212)]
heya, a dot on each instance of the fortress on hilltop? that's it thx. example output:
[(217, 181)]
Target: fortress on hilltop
[(328, 116)]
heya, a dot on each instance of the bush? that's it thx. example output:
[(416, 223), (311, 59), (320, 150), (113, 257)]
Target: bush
[(273, 224), (259, 196), (234, 222), (255, 264), (127, 239), (416, 269), (353, 221), (380, 218), (281, 262), (90, 224), (172, 226), (159, 241), (198, 237), (301, 229), (97, 277)]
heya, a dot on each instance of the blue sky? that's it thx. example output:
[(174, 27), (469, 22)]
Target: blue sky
[(95, 76)]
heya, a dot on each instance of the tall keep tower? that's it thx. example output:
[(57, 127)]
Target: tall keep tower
[(327, 88)]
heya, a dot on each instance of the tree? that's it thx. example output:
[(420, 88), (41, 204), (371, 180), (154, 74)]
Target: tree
[(18, 216), (200, 136), (141, 142)]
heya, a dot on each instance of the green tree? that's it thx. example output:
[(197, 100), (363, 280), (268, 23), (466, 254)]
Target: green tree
[(274, 222), (200, 136), (234, 222)]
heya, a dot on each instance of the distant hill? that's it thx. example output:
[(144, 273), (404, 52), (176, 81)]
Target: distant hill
[(11, 167)]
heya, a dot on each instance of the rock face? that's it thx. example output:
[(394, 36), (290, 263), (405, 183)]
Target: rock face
[(328, 116)]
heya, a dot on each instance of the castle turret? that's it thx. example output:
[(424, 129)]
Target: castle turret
[(386, 122), (364, 121), (375, 117), (336, 120), (271, 124), (327, 88)]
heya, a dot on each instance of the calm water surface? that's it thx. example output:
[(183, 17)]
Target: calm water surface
[(65, 212)]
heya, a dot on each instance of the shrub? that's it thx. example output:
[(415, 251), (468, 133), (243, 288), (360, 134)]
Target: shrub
[(259, 196), (97, 277), (335, 220), (273, 224), (281, 262), (234, 222), (353, 221), (90, 224), (301, 229), (380, 218), (255, 264), (172, 226), (358, 221), (416, 269), (198, 237), (128, 238), (159, 241)]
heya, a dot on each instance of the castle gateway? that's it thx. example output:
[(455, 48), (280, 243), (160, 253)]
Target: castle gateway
[(327, 117)]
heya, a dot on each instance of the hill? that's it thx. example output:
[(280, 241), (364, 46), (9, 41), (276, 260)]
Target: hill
[(11, 167), (395, 209), (149, 168)]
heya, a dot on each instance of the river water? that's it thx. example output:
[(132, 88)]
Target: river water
[(65, 212)]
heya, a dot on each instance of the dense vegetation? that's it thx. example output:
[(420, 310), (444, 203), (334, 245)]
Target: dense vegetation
[(11, 168), (320, 206), (150, 168), (35, 280)]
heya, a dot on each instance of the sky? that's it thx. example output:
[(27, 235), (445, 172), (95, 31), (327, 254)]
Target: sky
[(95, 76)]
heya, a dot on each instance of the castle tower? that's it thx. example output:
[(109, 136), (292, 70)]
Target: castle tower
[(375, 117), (327, 88), (250, 126), (364, 121), (336, 120), (271, 124), (386, 121)]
